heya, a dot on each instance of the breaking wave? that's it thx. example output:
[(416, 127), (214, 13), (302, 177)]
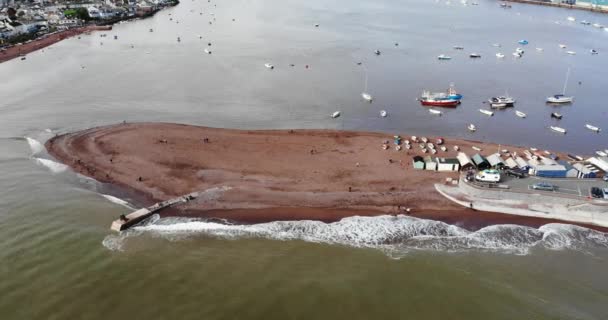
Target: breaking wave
[(55, 167), (392, 234), (117, 200), (35, 145)]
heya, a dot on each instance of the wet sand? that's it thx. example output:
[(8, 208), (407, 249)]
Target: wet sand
[(271, 174)]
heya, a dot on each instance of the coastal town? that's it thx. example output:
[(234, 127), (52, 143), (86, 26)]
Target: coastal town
[(46, 22)]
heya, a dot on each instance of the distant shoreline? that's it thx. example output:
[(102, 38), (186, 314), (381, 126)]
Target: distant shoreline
[(272, 175), (50, 39), (579, 6)]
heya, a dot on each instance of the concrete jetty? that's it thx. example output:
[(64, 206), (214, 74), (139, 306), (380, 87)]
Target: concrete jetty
[(137, 216)]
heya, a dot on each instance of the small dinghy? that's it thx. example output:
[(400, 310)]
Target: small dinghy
[(476, 148), (383, 113), (539, 49), (571, 52), (474, 55), (563, 46), (486, 112), (558, 129), (585, 22), (556, 115), (366, 96), (500, 55), (433, 111), (497, 45), (592, 128), (458, 48), (456, 148), (207, 51), (335, 114), (443, 57), (520, 114), (523, 42), (571, 19), (472, 128), (593, 51), (377, 52), (269, 66)]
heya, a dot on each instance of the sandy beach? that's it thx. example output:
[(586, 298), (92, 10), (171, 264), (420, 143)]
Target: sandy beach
[(40, 43), (270, 174)]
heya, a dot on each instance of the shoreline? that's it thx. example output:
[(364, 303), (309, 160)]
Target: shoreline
[(50, 39), (578, 6), (272, 175)]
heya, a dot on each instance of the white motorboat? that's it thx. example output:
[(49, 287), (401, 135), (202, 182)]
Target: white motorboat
[(269, 66), (366, 96), (433, 111), (601, 153), (558, 129), (563, 46), (443, 57), (501, 102), (383, 113), (207, 51), (571, 19), (517, 54), (597, 25), (486, 112), (562, 98), (519, 50), (335, 114), (520, 114), (472, 128), (571, 52), (592, 128), (500, 55), (585, 22)]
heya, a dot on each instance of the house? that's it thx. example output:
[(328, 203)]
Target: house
[(548, 161), (600, 162), (571, 172), (480, 162), (521, 163), (464, 161), (585, 171), (429, 164), (418, 163), (510, 163), (495, 160), (447, 164), (557, 171), (533, 163)]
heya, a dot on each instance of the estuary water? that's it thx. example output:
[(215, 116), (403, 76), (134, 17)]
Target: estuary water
[(59, 260)]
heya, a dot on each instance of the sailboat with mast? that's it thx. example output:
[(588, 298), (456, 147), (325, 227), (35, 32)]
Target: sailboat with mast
[(561, 98)]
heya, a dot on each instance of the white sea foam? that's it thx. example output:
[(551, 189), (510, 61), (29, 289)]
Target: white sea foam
[(47, 130), (395, 234), (55, 167), (35, 145), (117, 200)]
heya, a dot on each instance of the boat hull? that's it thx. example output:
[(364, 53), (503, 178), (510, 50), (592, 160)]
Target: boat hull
[(439, 103)]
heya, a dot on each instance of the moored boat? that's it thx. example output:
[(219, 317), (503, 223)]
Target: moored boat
[(443, 57), (474, 55), (433, 111), (571, 52), (366, 96), (383, 113), (593, 51), (269, 66), (563, 46), (592, 128), (472, 128), (556, 115), (500, 55), (207, 51), (335, 114), (601, 153), (571, 19), (523, 42), (562, 98), (558, 129), (458, 48), (520, 114), (486, 112), (585, 22), (501, 102)]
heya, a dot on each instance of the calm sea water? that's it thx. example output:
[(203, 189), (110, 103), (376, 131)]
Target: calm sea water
[(58, 259)]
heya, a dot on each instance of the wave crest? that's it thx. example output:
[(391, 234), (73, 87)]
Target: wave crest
[(55, 167), (35, 145)]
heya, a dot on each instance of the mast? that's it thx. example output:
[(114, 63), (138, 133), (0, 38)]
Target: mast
[(566, 82)]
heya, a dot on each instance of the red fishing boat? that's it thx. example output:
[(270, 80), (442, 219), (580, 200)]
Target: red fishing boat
[(438, 99)]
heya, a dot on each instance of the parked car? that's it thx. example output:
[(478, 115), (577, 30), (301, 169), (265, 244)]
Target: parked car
[(515, 173), (605, 191), (488, 176), (596, 192), (606, 178), (544, 186)]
